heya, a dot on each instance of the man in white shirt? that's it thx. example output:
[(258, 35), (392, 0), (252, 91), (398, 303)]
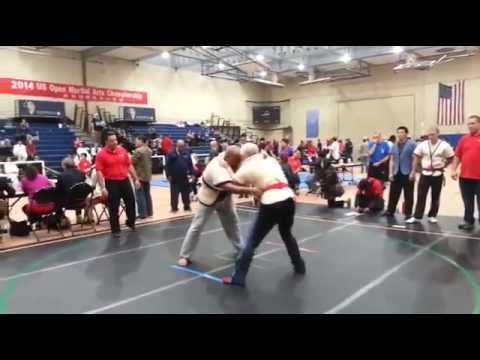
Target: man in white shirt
[(334, 150), (277, 207), (20, 151), (215, 195), (434, 156)]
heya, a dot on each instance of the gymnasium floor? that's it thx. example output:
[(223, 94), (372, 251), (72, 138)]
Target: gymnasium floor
[(355, 264)]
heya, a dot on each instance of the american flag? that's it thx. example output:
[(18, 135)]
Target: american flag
[(451, 104)]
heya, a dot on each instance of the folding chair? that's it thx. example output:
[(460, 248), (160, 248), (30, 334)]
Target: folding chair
[(80, 198), (102, 201), (47, 198)]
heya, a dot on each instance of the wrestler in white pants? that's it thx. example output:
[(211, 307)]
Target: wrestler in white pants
[(228, 217)]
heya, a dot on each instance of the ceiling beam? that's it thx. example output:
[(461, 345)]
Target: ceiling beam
[(98, 50)]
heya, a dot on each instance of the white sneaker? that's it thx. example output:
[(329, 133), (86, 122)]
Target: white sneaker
[(412, 220), (183, 262), (432, 220)]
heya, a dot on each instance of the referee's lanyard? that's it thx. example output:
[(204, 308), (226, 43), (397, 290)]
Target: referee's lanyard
[(431, 159)]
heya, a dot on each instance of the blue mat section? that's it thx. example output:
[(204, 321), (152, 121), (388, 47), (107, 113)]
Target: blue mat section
[(160, 183)]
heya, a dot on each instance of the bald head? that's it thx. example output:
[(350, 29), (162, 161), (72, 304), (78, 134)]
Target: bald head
[(180, 146), (233, 157), (248, 150)]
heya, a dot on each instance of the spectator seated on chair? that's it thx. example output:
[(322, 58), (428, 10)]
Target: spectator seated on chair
[(70, 176), (6, 190), (31, 184), (84, 165), (370, 195), (20, 151), (330, 186)]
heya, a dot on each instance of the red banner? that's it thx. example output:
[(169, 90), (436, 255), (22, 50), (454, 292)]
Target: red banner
[(70, 92)]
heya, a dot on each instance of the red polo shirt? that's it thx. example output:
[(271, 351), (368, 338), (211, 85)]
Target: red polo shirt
[(468, 151), (113, 164)]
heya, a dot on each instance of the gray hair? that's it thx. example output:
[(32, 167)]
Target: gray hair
[(248, 149), (433, 128), (180, 142), (68, 163)]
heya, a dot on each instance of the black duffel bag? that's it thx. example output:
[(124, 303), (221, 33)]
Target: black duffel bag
[(20, 228)]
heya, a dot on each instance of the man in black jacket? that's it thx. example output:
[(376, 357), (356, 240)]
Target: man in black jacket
[(70, 176), (179, 167)]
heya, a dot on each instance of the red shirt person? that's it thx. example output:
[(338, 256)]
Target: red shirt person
[(113, 166), (84, 165), (311, 149), (167, 145), (467, 153), (370, 195), (295, 162), (31, 150)]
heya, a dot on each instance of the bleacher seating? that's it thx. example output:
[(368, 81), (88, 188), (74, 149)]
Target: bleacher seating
[(55, 143), (175, 132)]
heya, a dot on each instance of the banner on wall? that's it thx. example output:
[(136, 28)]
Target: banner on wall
[(134, 113), (39, 108), (70, 92), (312, 124)]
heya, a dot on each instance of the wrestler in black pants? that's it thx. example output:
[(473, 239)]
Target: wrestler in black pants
[(281, 213), (373, 204), (470, 188), (120, 189), (401, 182), (177, 187), (425, 183)]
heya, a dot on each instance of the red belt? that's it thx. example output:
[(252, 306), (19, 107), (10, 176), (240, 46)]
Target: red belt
[(278, 185)]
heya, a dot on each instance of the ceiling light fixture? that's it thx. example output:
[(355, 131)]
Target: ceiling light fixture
[(346, 58), (301, 67), (397, 49), (165, 55), (221, 66), (263, 73), (260, 57)]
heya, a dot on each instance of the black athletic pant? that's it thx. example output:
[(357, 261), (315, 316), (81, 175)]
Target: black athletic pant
[(374, 204), (424, 185), (470, 188), (180, 187), (120, 189), (281, 213), (401, 183)]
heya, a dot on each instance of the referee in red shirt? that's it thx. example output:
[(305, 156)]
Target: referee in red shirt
[(467, 153), (113, 165)]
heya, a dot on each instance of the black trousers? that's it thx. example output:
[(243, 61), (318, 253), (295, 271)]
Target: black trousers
[(372, 203), (424, 185), (180, 187), (148, 197), (281, 213), (470, 188), (401, 183), (120, 189)]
